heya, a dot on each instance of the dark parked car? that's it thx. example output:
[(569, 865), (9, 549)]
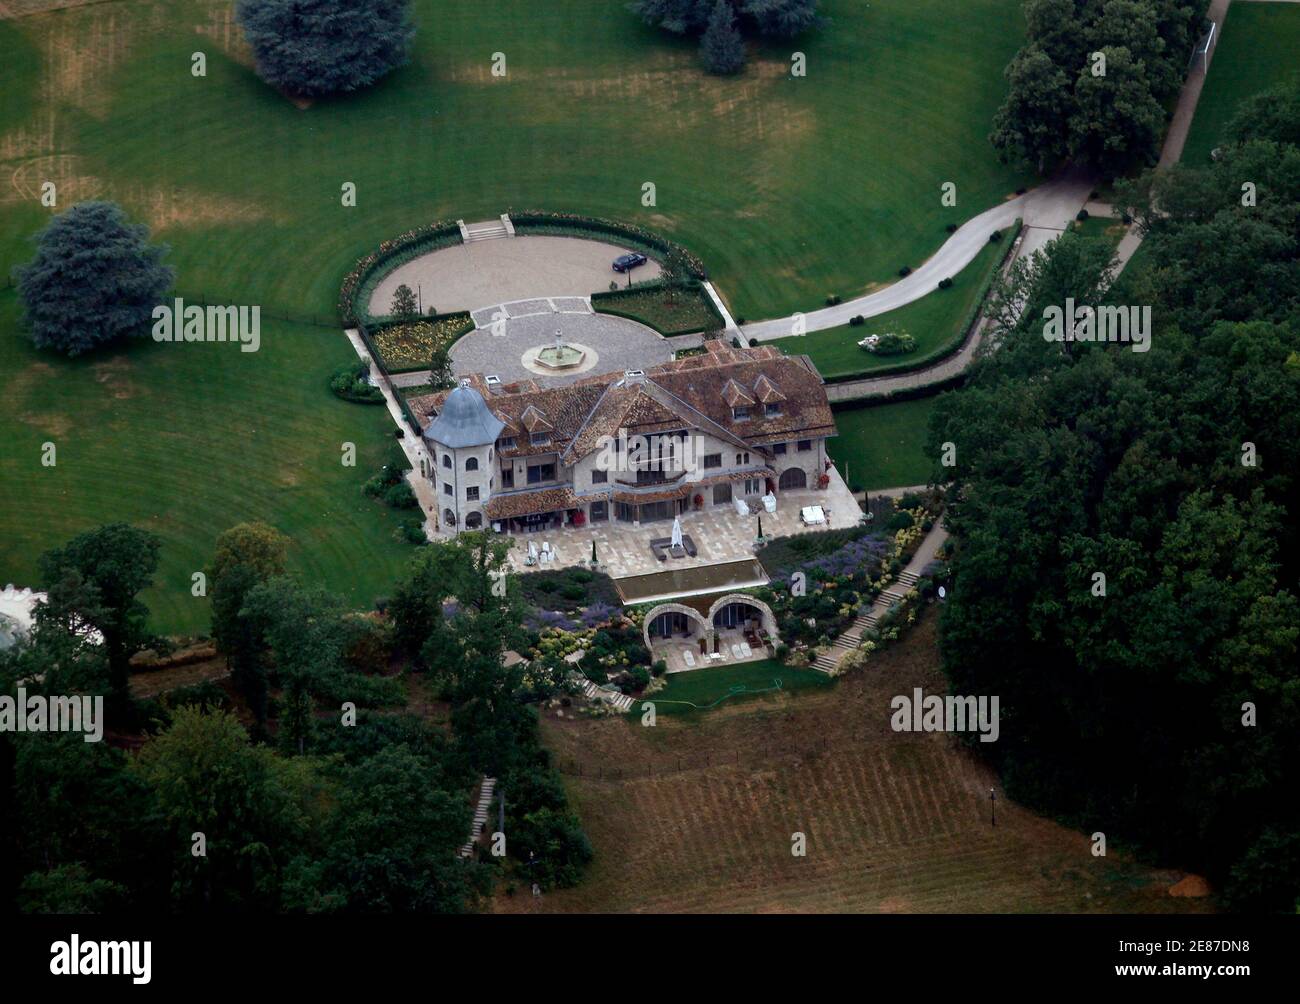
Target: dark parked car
[(627, 262)]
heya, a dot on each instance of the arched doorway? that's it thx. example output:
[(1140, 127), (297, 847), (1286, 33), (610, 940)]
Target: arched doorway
[(793, 479), (670, 629), (740, 620)]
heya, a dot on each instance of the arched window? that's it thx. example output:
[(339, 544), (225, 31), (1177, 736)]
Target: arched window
[(446, 461), (449, 517), (473, 520), (793, 478), (471, 464)]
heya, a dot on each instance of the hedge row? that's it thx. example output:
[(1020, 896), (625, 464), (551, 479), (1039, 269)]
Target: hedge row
[(629, 233), (391, 253), (948, 348)]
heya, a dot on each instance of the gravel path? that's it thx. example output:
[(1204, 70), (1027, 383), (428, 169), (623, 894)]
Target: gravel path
[(485, 273), (619, 344)]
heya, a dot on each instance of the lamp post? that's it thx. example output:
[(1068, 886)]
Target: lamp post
[(993, 807)]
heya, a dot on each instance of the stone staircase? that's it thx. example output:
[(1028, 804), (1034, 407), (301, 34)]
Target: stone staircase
[(849, 640), (621, 702), (480, 815), (486, 231)]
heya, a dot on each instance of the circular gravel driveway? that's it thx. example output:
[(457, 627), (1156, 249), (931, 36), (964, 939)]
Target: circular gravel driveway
[(499, 348), (472, 276)]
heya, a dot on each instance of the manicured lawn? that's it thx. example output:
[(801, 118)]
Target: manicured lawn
[(682, 311), (1100, 226), (187, 440), (788, 188), (1256, 50), (882, 444), (936, 321), (698, 690)]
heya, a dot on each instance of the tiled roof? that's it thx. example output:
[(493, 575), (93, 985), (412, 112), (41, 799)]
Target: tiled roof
[(687, 392), (636, 498), (518, 504), (735, 394)]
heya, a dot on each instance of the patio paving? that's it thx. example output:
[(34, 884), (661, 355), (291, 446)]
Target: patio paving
[(673, 652), (617, 343), (719, 532)]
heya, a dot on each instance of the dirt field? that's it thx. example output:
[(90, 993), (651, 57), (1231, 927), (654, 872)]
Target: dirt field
[(894, 822)]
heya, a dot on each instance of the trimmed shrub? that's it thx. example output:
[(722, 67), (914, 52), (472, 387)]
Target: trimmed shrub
[(401, 496), (349, 383), (832, 300), (857, 320), (1081, 215), (945, 283), (905, 271), (894, 343)]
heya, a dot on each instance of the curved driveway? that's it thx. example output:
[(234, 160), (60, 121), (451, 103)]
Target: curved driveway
[(1050, 207)]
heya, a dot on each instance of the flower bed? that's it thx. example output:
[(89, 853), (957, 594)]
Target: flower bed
[(408, 345)]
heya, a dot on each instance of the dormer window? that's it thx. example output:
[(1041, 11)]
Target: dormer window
[(539, 438), (773, 409), (740, 413), (507, 442)]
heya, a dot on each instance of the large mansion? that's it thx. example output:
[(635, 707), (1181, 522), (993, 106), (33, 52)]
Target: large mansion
[(634, 446)]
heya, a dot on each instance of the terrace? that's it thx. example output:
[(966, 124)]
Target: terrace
[(719, 533)]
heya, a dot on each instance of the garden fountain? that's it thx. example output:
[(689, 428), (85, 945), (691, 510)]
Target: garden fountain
[(560, 356)]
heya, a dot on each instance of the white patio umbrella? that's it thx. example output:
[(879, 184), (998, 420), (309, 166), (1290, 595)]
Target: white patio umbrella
[(677, 532)]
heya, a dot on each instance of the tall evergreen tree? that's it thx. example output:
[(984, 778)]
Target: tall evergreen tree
[(95, 278), (721, 48), (314, 48)]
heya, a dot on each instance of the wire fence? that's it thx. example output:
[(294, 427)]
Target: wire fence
[(317, 320)]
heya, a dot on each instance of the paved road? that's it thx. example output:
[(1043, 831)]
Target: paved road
[(1045, 216), (1048, 208)]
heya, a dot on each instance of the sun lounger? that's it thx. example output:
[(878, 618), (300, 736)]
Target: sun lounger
[(745, 650), (688, 657)]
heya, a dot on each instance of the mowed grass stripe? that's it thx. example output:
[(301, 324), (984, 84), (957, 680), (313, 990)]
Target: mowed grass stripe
[(187, 440), (789, 188)]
